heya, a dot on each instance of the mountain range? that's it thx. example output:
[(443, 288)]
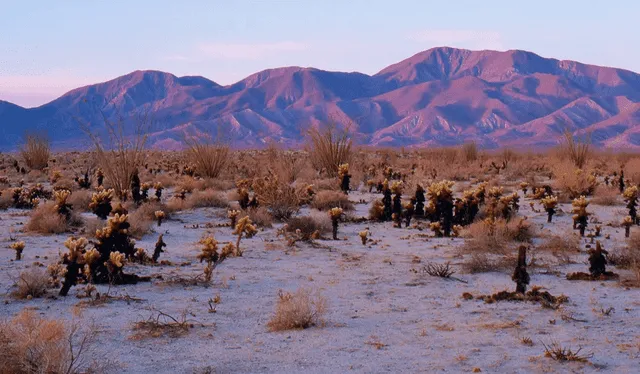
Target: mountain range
[(438, 97)]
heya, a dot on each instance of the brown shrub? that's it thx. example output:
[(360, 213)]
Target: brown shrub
[(280, 199), (31, 284), (141, 220), (5, 199), (606, 197), (206, 199), (80, 200), (308, 225), (325, 200), (484, 263), (208, 158), (35, 152), (259, 216), (299, 310), (30, 344), (46, 220)]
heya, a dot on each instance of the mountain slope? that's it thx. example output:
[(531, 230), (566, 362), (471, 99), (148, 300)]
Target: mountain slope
[(442, 96)]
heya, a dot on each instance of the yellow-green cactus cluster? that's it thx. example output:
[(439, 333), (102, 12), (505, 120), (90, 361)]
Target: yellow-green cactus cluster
[(549, 202), (335, 213), (114, 223), (246, 227), (630, 193), (209, 250), (580, 207), (440, 191), (343, 170), (101, 197), (76, 247), (396, 187)]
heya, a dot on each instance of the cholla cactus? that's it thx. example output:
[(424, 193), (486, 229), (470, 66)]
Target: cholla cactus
[(420, 199), (158, 248), (335, 214), (494, 194), (630, 196), (436, 227), (550, 203), (524, 186), (74, 261), (144, 191), (99, 177), (386, 200), (627, 222), (396, 210), (209, 253), (115, 237), (100, 203), (18, 247), (456, 230), (345, 177), (580, 214), (62, 205), (364, 235), (480, 192), (159, 188), (508, 205), (136, 187), (160, 215), (56, 175), (233, 216), (115, 263), (371, 184), (597, 260), (246, 227), (409, 211), (466, 208), (621, 181), (441, 198), (520, 275)]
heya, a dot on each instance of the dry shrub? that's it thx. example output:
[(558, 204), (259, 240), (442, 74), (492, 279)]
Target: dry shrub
[(627, 257), (308, 225), (46, 220), (560, 244), (31, 284), (329, 148), (280, 199), (91, 224), (299, 310), (141, 220), (470, 151), (574, 182), (209, 159), (35, 152), (606, 197), (326, 184), (325, 200), (206, 199), (483, 263), (259, 216), (517, 230), (578, 150), (30, 344), (5, 199), (80, 200)]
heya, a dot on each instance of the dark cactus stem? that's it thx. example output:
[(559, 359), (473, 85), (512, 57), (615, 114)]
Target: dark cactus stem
[(135, 187), (550, 213), (344, 185), (597, 261), (397, 204), (158, 194), (621, 184), (334, 225), (100, 179), (70, 278), (627, 231), (582, 225), (158, 249), (445, 210), (520, 275), (420, 199), (18, 254), (386, 201)]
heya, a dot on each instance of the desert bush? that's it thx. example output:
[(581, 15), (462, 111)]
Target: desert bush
[(560, 244), (6, 199), (141, 220), (605, 197), (80, 200), (31, 284), (281, 199), (470, 151), (30, 344), (35, 152), (483, 263), (329, 148), (208, 158), (46, 220), (325, 200), (206, 199), (576, 183), (299, 310), (260, 216), (309, 226)]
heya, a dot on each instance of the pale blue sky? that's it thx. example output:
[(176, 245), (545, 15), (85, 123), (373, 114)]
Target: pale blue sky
[(49, 47)]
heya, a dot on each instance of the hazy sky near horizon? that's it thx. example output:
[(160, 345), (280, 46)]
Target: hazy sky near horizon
[(50, 47)]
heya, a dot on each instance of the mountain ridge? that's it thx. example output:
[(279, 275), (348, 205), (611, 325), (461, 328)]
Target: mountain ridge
[(441, 96)]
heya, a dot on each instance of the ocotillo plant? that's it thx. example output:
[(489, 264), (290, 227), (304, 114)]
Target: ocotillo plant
[(160, 216), (627, 222), (335, 214), (396, 210), (420, 199), (158, 248), (19, 248), (345, 178), (550, 203), (580, 214), (244, 227), (630, 196), (597, 260), (158, 187), (520, 275), (100, 203)]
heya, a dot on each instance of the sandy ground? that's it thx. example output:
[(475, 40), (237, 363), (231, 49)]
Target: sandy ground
[(382, 317)]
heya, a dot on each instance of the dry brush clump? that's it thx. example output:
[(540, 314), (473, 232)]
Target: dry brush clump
[(31, 284), (209, 159), (299, 310), (36, 151), (54, 217), (327, 199), (31, 344), (281, 199)]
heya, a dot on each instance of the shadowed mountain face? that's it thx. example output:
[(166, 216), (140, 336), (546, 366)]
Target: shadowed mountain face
[(442, 96)]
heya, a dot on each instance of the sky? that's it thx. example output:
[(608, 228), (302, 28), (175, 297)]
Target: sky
[(50, 47)]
